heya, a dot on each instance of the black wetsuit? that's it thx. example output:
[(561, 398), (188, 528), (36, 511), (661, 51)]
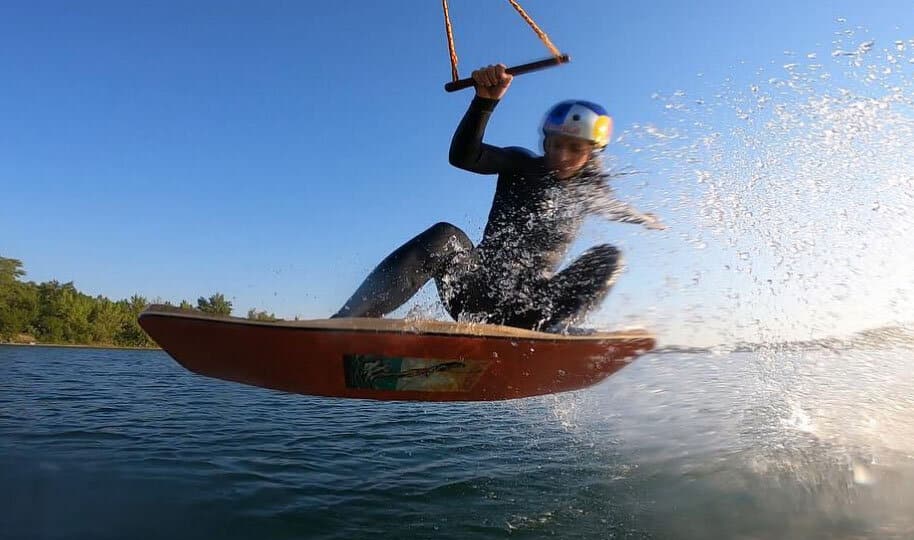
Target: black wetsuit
[(510, 277)]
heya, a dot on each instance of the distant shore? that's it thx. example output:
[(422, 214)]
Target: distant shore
[(76, 346)]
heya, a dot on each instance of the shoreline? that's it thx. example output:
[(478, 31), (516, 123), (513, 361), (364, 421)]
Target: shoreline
[(78, 346)]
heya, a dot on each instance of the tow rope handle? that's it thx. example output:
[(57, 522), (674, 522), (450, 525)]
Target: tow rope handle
[(459, 84)]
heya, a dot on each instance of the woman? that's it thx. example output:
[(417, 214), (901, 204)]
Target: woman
[(540, 203)]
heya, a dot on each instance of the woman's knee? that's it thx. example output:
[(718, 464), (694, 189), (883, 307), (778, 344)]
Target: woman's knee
[(443, 234), (605, 253), (602, 264)]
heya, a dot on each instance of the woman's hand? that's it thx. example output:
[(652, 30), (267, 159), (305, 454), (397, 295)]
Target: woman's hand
[(491, 81)]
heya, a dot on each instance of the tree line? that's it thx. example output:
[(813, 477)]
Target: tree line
[(57, 313)]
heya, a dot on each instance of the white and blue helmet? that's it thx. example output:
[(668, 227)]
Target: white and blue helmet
[(579, 119)]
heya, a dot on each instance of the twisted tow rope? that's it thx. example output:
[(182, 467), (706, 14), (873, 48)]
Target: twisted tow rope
[(452, 50)]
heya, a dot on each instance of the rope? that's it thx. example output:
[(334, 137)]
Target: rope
[(450, 41), (542, 35), (453, 50)]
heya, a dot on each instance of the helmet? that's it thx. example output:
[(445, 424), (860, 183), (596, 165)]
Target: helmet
[(579, 119)]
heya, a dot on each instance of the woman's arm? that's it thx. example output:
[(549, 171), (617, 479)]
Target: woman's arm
[(602, 202), (468, 152)]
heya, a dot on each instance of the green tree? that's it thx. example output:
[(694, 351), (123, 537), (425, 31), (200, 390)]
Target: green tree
[(215, 304), (106, 320), (63, 313), (10, 270), (55, 312), (131, 335), (50, 324), (256, 315), (76, 309), (18, 300)]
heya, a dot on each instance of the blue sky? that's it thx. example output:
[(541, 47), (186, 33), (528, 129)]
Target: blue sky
[(277, 151)]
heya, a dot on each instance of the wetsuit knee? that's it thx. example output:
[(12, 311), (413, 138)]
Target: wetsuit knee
[(605, 261), (443, 236), (605, 251), (430, 254)]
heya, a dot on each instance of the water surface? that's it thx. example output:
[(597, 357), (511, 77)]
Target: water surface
[(116, 444)]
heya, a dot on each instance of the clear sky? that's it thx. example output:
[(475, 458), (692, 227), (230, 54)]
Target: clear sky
[(276, 151)]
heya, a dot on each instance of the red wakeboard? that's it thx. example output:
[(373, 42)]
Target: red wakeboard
[(390, 359)]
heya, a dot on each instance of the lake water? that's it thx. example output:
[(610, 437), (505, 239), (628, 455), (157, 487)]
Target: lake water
[(126, 444)]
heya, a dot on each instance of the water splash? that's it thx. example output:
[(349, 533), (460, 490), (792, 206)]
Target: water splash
[(796, 187)]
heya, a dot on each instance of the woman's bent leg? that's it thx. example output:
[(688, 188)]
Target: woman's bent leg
[(402, 273), (580, 287)]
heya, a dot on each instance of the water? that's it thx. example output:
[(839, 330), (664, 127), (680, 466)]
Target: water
[(788, 187), (789, 191), (126, 444)]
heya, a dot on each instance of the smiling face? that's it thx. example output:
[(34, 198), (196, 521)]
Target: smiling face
[(565, 155)]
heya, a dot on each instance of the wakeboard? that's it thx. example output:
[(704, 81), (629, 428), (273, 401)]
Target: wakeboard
[(390, 359)]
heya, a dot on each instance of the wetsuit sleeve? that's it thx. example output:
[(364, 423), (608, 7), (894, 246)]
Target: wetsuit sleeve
[(468, 152), (604, 204)]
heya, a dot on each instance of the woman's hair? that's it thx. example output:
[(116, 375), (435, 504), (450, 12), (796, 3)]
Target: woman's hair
[(595, 168)]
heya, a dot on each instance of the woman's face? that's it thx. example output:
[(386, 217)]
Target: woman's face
[(566, 155)]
